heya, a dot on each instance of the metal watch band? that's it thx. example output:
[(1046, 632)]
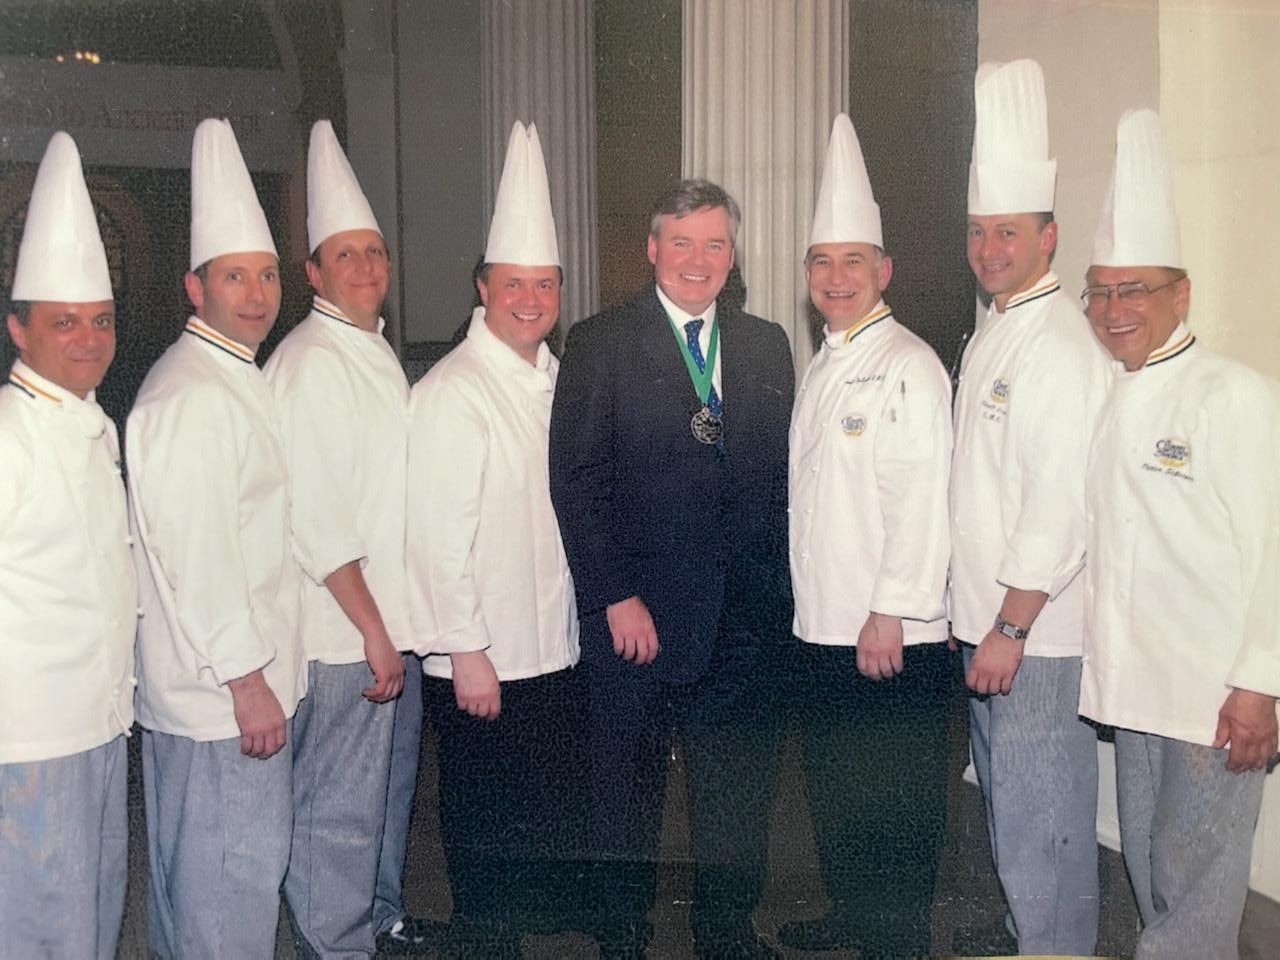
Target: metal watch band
[(1011, 630)]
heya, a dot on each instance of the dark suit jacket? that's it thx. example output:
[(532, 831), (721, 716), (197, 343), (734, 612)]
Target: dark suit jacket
[(699, 533)]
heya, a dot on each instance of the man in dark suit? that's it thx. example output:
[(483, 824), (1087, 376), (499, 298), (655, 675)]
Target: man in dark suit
[(668, 475)]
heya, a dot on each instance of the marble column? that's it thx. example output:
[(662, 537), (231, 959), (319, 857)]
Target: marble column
[(762, 81)]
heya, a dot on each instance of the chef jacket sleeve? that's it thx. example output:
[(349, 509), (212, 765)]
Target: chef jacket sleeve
[(1245, 459), (1055, 399), (184, 467), (912, 465), (318, 416), (448, 456)]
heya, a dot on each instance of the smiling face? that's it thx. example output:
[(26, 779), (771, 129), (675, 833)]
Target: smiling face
[(1132, 330), (69, 344), (353, 274), (692, 256), (521, 304), (1009, 252), (846, 281), (239, 296)]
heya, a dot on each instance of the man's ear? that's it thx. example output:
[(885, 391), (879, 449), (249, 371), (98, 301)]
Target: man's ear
[(17, 333), (313, 276), (483, 289), (195, 290), (1049, 238), (885, 273)]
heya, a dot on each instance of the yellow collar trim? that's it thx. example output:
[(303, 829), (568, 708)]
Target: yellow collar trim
[(878, 314)]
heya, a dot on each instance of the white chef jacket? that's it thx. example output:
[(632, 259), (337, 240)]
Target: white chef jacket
[(68, 597), (869, 460), (487, 569), (1031, 383), (343, 404), (219, 584), (1183, 579)]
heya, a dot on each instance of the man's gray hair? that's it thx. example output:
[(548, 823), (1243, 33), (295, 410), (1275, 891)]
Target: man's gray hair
[(690, 195)]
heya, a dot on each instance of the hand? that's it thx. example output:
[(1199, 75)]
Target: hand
[(634, 636), (994, 664), (1247, 721), (475, 684), (258, 715), (387, 667), (880, 647)]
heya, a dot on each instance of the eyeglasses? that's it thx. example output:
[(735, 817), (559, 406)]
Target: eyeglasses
[(1131, 292)]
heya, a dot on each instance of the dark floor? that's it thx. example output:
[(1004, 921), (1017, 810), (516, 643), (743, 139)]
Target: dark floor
[(967, 901)]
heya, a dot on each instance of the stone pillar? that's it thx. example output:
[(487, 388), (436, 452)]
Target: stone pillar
[(537, 66), (762, 83)]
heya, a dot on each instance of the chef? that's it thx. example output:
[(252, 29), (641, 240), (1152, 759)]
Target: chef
[(1182, 647), (343, 403), (1031, 383), (490, 588), (68, 595), (222, 666), (870, 451)]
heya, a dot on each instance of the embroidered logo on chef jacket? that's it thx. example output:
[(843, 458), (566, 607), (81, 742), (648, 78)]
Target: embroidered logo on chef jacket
[(853, 424), (1173, 452), (1000, 391), (1172, 457)]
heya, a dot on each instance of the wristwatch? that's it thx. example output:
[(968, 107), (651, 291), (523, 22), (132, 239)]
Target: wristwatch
[(1011, 630)]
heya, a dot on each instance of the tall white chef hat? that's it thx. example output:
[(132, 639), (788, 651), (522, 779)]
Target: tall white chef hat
[(225, 214), (1011, 171), (1139, 222), (523, 229), (61, 257), (335, 202), (846, 211)]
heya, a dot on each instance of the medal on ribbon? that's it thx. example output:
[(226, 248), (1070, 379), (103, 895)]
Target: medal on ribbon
[(707, 427)]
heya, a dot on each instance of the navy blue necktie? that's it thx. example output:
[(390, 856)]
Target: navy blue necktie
[(691, 331)]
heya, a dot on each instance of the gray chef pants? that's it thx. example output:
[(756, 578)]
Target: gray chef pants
[(1186, 829), (218, 831), (1037, 764), (63, 849)]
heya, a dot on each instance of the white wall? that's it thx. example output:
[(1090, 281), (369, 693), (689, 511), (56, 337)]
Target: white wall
[(1210, 67)]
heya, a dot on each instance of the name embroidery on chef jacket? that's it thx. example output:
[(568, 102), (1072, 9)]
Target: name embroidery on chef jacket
[(1171, 456), (996, 403), (202, 331), (855, 424)]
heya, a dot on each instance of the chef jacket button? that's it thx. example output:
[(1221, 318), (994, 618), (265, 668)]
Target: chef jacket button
[(808, 509), (128, 541), (141, 613), (814, 468)]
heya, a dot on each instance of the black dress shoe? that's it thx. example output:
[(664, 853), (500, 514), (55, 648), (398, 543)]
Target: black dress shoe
[(830, 931), (411, 936)]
